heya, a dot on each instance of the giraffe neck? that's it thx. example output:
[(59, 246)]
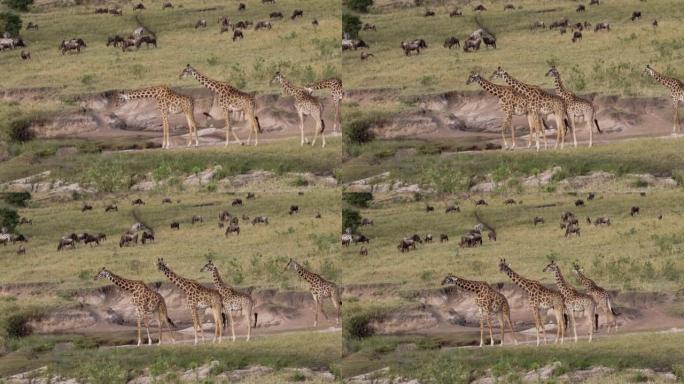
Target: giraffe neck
[(468, 285), (585, 281), (218, 282), (323, 84), (560, 88), (517, 85), (562, 285), (178, 281), (493, 89), (145, 93), (125, 284), (662, 79), (310, 277), (207, 82), (289, 88), (518, 280)]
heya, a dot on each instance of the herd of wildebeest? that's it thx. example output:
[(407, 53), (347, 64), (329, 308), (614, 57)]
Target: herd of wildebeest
[(473, 42), (143, 35)]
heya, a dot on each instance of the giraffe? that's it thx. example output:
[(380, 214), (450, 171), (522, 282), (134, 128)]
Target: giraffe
[(168, 101), (539, 101), (676, 88), (511, 103), (577, 107), (540, 298), (599, 294), (198, 297), (320, 289), (233, 300), (574, 301), (489, 302), (336, 93), (146, 302), (306, 104), (230, 99)]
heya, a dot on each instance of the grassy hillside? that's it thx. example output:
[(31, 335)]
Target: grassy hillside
[(295, 47), (606, 63), (634, 253)]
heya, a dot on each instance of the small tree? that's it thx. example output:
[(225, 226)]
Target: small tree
[(351, 25), (358, 132), (359, 5), (17, 198), (358, 199), (10, 22), (350, 219), (18, 5), (9, 218), (20, 130)]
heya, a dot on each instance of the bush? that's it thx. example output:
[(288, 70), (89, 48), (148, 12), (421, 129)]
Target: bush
[(359, 5), (357, 199), (10, 22), (358, 326), (350, 219), (9, 218), (20, 130), (17, 198), (351, 25), (16, 326), (18, 5), (358, 132)]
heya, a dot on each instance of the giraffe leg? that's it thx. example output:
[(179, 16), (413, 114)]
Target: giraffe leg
[(250, 313), (165, 131), (146, 320), (510, 325), (506, 124), (531, 120), (232, 324), (537, 321), (675, 123), (338, 116), (491, 334), (316, 308), (540, 131), (560, 325), (574, 129), (590, 322), (574, 324), (337, 303), (301, 126), (590, 127), (139, 329), (481, 329), (502, 324), (161, 323), (218, 323), (255, 128), (195, 325), (190, 129)]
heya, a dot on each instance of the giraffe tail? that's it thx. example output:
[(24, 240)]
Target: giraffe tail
[(207, 115), (596, 322), (610, 306), (256, 315), (546, 126), (597, 126), (258, 124), (224, 319), (322, 125), (171, 323)]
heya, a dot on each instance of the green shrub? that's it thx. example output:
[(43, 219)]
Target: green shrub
[(351, 24), (9, 218), (10, 22), (357, 199), (20, 130), (16, 326), (359, 5), (17, 198), (359, 131), (358, 326), (18, 5), (350, 219)]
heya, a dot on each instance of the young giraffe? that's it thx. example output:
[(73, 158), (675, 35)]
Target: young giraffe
[(540, 298), (336, 93), (541, 102), (168, 101), (599, 295), (198, 297), (489, 301), (230, 99), (306, 104), (574, 301), (233, 300), (676, 88), (146, 302), (577, 107), (511, 103), (320, 289)]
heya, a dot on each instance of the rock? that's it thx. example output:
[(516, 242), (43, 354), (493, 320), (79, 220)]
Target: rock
[(381, 376), (241, 374), (360, 188), (66, 151), (653, 181), (406, 347), (381, 188), (541, 179), (585, 374), (484, 187), (313, 179), (413, 188), (310, 374), (581, 182), (542, 374), (200, 373), (203, 177), (246, 179), (143, 186)]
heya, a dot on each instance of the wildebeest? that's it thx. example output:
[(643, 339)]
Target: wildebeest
[(167, 4), (429, 13), (594, 2), (471, 239), (31, 25), (452, 208), (509, 201), (416, 238), (559, 23), (138, 201), (443, 238), (167, 200), (250, 195), (602, 221), (242, 24), (148, 40), (147, 237), (580, 8), (242, 7), (314, 22), (25, 55), (67, 241), (455, 13), (262, 25), (410, 46), (116, 11), (236, 203), (297, 13), (579, 203), (634, 211), (481, 202), (175, 225), (369, 27), (18, 238), (293, 209), (429, 208), (572, 229), (366, 221), (354, 44), (451, 42), (576, 36), (471, 45), (197, 219), (127, 239), (232, 228), (139, 7), (366, 55), (72, 45), (86, 207), (591, 196), (260, 220), (601, 27), (21, 250), (363, 251), (538, 220), (509, 6), (276, 15), (538, 24), (480, 8), (237, 34), (201, 24), (114, 40), (406, 245), (346, 238), (655, 23), (428, 238), (89, 239), (225, 216), (25, 220), (636, 15), (137, 227)]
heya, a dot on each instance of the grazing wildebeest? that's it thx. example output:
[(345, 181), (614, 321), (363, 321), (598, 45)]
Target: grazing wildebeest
[(243, 24), (138, 201), (452, 208), (147, 237), (18, 238), (86, 207), (576, 36), (580, 8), (594, 2), (602, 26), (480, 8), (101, 10), (72, 45), (297, 13), (116, 11), (366, 55), (21, 250), (509, 6), (538, 220), (101, 236), (167, 4), (472, 239), (429, 208), (276, 15), (366, 221), (66, 242), (491, 236), (588, 220), (225, 216), (451, 42), (25, 55), (236, 203), (89, 239), (428, 13), (114, 40), (481, 202), (201, 24), (538, 24), (293, 209), (139, 7), (405, 245), (509, 201), (250, 195), (262, 25), (660, 217), (318, 215), (237, 34), (148, 40), (416, 238), (242, 7), (363, 251), (369, 27), (137, 227), (260, 220), (167, 200), (579, 203), (410, 46), (175, 225), (31, 25), (634, 211), (127, 239), (471, 45), (636, 15), (360, 239), (572, 229), (560, 23), (455, 13), (443, 238), (197, 219), (655, 23), (268, 1), (24, 220), (602, 221), (346, 238), (428, 238), (232, 228), (578, 26), (314, 22), (591, 196)]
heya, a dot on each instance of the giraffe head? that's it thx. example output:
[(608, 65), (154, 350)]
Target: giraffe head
[(208, 267), (577, 269), (277, 77), (449, 279), (499, 73), (504, 266), (551, 267), (103, 274), (291, 264), (161, 265), (648, 70), (473, 78), (122, 97), (552, 72), (187, 71)]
